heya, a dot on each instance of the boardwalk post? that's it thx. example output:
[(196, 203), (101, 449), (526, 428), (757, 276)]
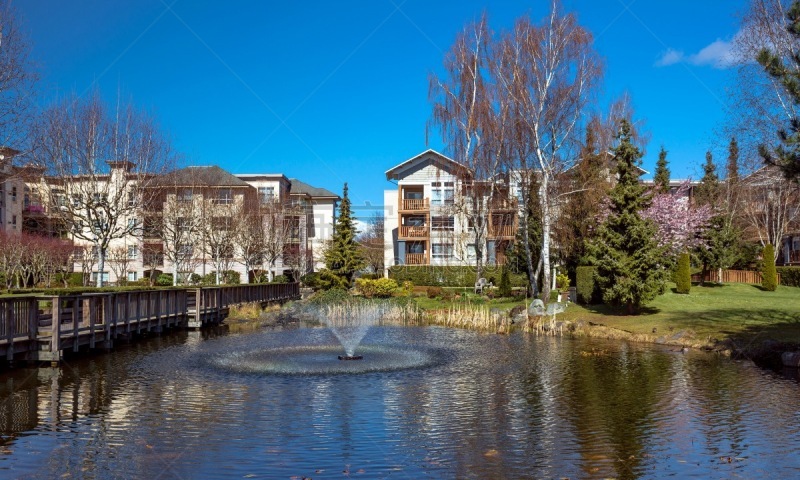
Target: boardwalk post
[(55, 332)]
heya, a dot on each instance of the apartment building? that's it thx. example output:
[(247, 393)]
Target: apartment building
[(428, 218), (11, 192), (183, 222)]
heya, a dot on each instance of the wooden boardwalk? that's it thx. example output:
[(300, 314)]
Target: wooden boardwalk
[(42, 328)]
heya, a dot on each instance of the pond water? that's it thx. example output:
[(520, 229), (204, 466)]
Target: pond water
[(478, 406)]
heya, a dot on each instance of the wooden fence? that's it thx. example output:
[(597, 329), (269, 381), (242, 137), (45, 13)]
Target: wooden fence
[(733, 276), (41, 327)]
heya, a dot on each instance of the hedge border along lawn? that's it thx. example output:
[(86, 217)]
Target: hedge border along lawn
[(790, 276), (450, 276)]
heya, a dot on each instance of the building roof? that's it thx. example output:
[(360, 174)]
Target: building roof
[(302, 188), (212, 176), (440, 160)]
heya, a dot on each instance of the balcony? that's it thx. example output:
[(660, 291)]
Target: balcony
[(502, 231), (414, 232), (415, 204), (33, 209), (415, 259), (503, 204)]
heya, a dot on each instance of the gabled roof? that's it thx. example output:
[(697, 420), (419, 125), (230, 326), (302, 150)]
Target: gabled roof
[(212, 176), (438, 159), (302, 188)]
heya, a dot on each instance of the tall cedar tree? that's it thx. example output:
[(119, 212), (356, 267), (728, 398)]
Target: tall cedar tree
[(787, 72), (517, 256), (630, 267), (661, 179), (718, 236), (732, 169), (582, 210), (707, 193), (343, 257)]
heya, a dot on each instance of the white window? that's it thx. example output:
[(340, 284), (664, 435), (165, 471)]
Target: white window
[(443, 223), (471, 253), (442, 193), (442, 251), (266, 194), (13, 194), (132, 222), (185, 251), (133, 252), (224, 196), (185, 195), (132, 276)]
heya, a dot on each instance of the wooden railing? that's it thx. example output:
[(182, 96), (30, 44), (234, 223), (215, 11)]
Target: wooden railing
[(733, 276), (415, 204), (415, 259), (503, 204), (501, 231), (43, 326), (413, 231)]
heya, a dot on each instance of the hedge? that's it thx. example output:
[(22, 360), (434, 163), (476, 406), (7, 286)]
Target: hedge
[(585, 286), (683, 274), (450, 276), (769, 276), (790, 276)]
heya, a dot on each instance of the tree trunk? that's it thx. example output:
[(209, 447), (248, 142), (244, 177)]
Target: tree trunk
[(545, 239), (101, 264), (174, 273)]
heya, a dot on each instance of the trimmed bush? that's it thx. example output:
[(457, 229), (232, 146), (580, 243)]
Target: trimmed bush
[(790, 276), (164, 280), (504, 289), (311, 280), (449, 276), (585, 285), (280, 279), (683, 274), (769, 275), (331, 296)]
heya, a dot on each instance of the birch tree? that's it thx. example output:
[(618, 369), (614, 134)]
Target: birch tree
[(99, 161), (17, 79), (770, 205)]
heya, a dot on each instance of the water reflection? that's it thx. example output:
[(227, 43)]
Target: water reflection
[(496, 406)]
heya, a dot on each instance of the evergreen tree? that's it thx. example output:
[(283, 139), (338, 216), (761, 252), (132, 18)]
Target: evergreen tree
[(707, 193), (769, 275), (516, 257), (661, 178), (732, 169), (504, 288), (787, 73), (630, 266), (579, 215), (343, 256)]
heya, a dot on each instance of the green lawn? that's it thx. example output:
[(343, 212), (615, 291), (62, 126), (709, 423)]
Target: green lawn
[(739, 311)]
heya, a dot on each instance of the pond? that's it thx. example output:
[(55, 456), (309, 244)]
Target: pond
[(470, 405)]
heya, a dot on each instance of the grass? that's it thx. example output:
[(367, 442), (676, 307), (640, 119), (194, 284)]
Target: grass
[(738, 312)]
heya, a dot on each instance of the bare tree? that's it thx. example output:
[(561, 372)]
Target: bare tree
[(177, 220), (770, 205), (549, 73), (219, 234), (17, 79), (99, 162), (86, 256), (473, 125), (250, 236), (278, 225), (119, 260), (371, 243)]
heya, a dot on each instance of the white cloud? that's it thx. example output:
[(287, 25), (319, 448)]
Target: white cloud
[(718, 54), (670, 57)]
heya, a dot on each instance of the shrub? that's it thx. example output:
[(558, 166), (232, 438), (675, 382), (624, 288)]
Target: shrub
[(385, 287), (406, 289), (366, 287), (331, 296), (769, 275), (434, 292), (683, 274), (562, 282), (231, 277), (310, 280), (75, 280), (504, 289), (195, 279), (329, 280), (371, 276), (449, 276), (280, 279), (790, 276), (164, 280), (586, 288)]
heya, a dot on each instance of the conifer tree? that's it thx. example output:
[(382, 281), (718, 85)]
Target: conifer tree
[(661, 178), (769, 275), (707, 193), (630, 266), (683, 275), (343, 256), (786, 71), (732, 168)]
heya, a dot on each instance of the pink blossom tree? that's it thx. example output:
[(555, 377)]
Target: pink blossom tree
[(680, 224)]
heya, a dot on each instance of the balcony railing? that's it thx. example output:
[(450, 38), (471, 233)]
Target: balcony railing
[(33, 208), (794, 256), (501, 231), (413, 231), (503, 204), (415, 259), (415, 204)]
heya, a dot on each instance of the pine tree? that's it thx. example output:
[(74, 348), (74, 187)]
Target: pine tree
[(343, 256), (630, 266), (661, 178), (683, 276), (707, 193), (787, 73), (732, 169)]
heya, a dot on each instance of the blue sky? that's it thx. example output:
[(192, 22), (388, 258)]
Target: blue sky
[(330, 92)]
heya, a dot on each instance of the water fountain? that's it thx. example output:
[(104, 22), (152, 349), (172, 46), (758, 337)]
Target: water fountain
[(313, 354)]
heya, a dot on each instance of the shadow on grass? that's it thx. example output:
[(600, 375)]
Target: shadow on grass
[(603, 309)]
